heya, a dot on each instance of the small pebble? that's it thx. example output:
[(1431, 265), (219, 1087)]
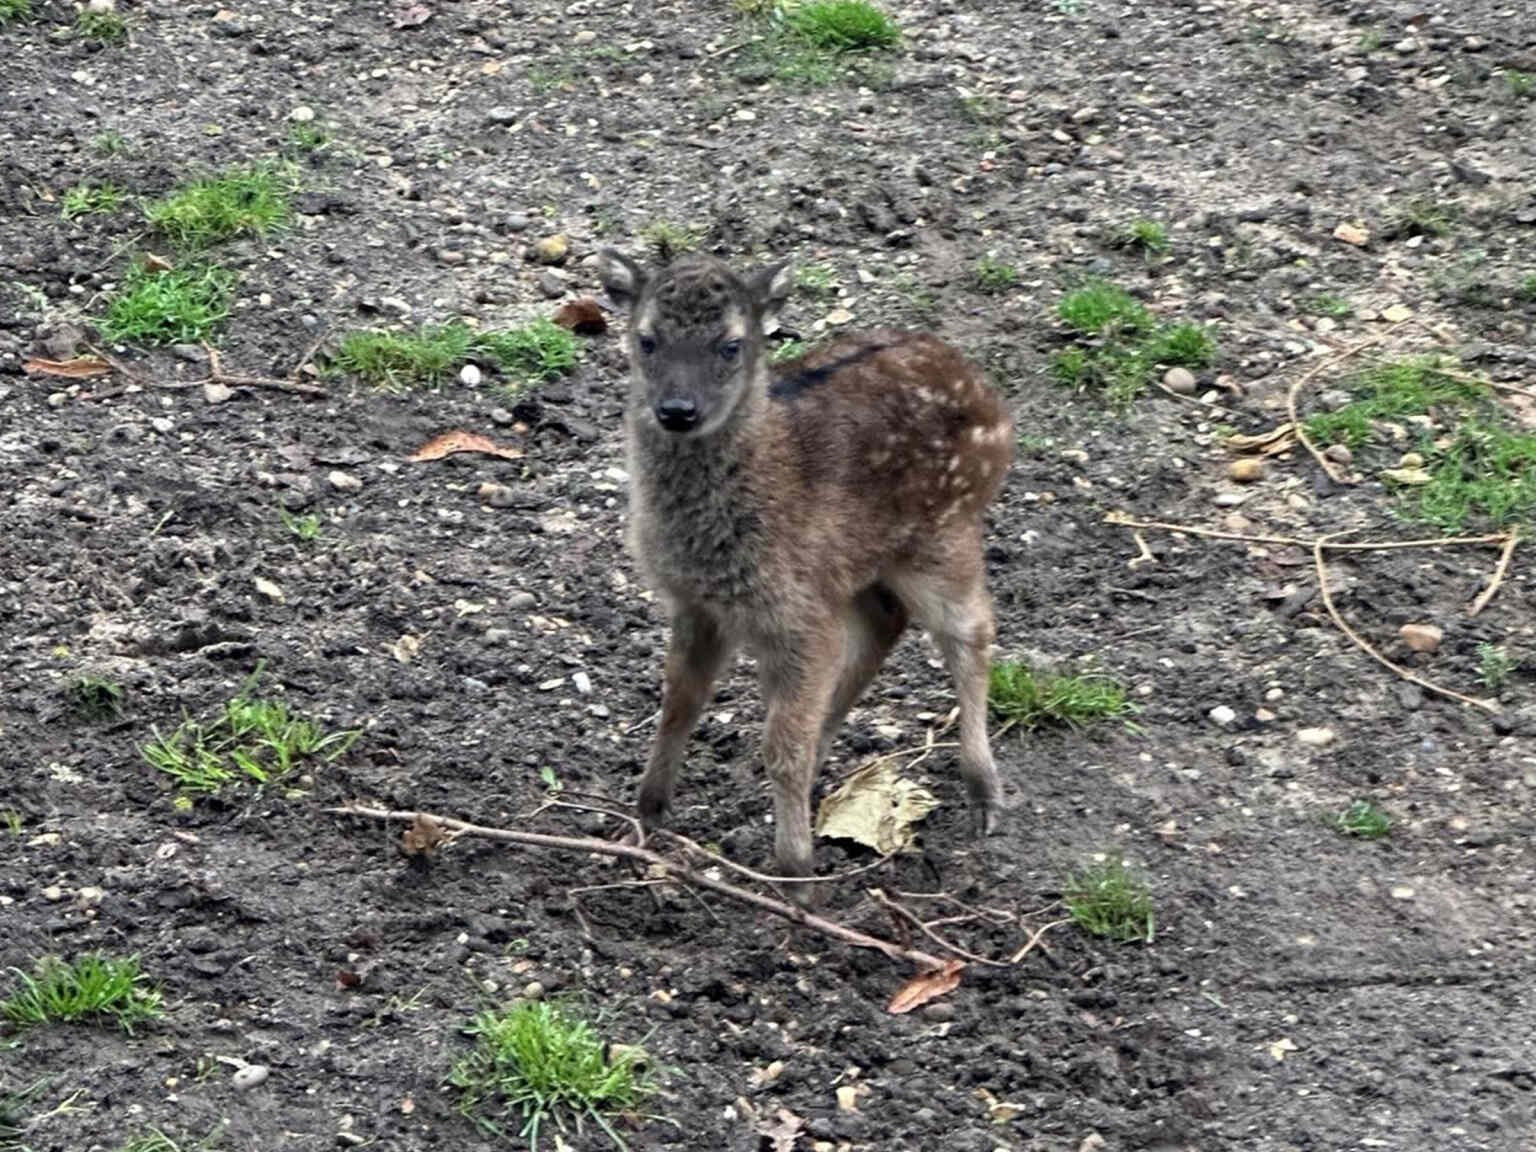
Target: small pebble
[(1410, 460), (521, 600), (1315, 737), (551, 284), (163, 425), (552, 249), (502, 416), (1180, 380), (1402, 892), (1222, 715), (533, 990), (1421, 637), (343, 481), (216, 393), (469, 376), (250, 1076), (1246, 470), (303, 114), (1339, 454), (450, 256), (583, 683)]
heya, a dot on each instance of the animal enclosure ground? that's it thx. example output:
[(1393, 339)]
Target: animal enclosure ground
[(1300, 178)]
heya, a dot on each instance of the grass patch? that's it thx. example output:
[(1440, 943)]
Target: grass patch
[(14, 10), (1334, 307), (539, 351), (306, 137), (91, 200), (667, 240), (1108, 901), (109, 143), (306, 527), (1422, 217), (248, 201), (95, 987), (843, 25), (1388, 391), (818, 281), (1363, 819), (534, 1065), (1521, 84), (1487, 472), (787, 350), (1121, 345), (1494, 664), (100, 27), (96, 698), (152, 1141), (1147, 236), (171, 306), (250, 738), (1099, 308), (1017, 694), (995, 276), (1527, 289)]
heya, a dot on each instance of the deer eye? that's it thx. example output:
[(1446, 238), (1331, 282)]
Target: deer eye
[(730, 350), (647, 345)]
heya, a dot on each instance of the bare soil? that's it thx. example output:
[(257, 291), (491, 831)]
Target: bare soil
[(1305, 990)]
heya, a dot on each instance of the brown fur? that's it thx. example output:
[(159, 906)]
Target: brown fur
[(817, 510)]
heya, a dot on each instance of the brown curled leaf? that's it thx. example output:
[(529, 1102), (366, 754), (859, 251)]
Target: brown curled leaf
[(79, 368), (926, 986), (450, 442), (582, 317)]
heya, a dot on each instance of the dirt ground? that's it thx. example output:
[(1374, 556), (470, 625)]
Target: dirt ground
[(1305, 990)]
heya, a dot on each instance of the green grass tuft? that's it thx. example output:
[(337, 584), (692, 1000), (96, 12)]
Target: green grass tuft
[(1108, 901), (539, 351), (1149, 236), (100, 27), (843, 25), (993, 275), (248, 201), (1126, 344), (1388, 391), (91, 200), (1487, 472), (93, 987), (1527, 290), (667, 240), (1363, 819), (818, 281), (152, 1141), (1099, 308), (1018, 695), (1421, 217), (533, 1065), (788, 350), (1334, 307), (310, 136), (1494, 664), (173, 306), (250, 738), (108, 143), (1521, 84), (96, 698), (14, 10), (306, 527)]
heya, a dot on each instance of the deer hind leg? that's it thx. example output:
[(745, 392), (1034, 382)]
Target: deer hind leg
[(800, 676), (949, 598), (696, 652), (876, 621)]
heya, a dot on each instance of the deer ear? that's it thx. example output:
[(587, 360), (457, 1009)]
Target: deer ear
[(621, 276), (770, 289)]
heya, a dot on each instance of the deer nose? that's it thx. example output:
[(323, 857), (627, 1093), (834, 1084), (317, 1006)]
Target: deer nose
[(677, 413)]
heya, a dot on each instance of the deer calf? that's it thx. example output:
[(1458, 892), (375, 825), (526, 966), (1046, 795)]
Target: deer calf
[(805, 512)]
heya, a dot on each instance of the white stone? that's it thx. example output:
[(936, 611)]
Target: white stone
[(1315, 737), (1222, 715), (469, 375)]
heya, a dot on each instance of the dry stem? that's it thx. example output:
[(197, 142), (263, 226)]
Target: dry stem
[(1413, 677), (1498, 574), (1311, 374), (671, 869)]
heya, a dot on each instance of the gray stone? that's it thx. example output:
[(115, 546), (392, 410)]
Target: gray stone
[(551, 283)]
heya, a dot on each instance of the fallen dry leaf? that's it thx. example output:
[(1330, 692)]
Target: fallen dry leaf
[(782, 1130), (423, 835), (80, 368), (405, 648), (877, 807), (450, 442), (153, 263), (1270, 443), (582, 317), (268, 589), (1280, 1047), (926, 986), (1396, 314)]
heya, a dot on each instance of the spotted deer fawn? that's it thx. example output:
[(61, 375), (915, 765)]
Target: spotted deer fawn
[(805, 512)]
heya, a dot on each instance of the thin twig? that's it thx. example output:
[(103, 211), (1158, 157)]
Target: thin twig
[(1343, 546), (671, 869), (309, 353), (895, 909), (1333, 613), (1029, 945), (1498, 574)]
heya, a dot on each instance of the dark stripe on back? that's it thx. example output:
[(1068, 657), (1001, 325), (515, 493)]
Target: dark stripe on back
[(807, 378)]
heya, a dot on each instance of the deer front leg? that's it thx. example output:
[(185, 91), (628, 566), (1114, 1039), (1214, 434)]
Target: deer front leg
[(799, 680), (696, 651)]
